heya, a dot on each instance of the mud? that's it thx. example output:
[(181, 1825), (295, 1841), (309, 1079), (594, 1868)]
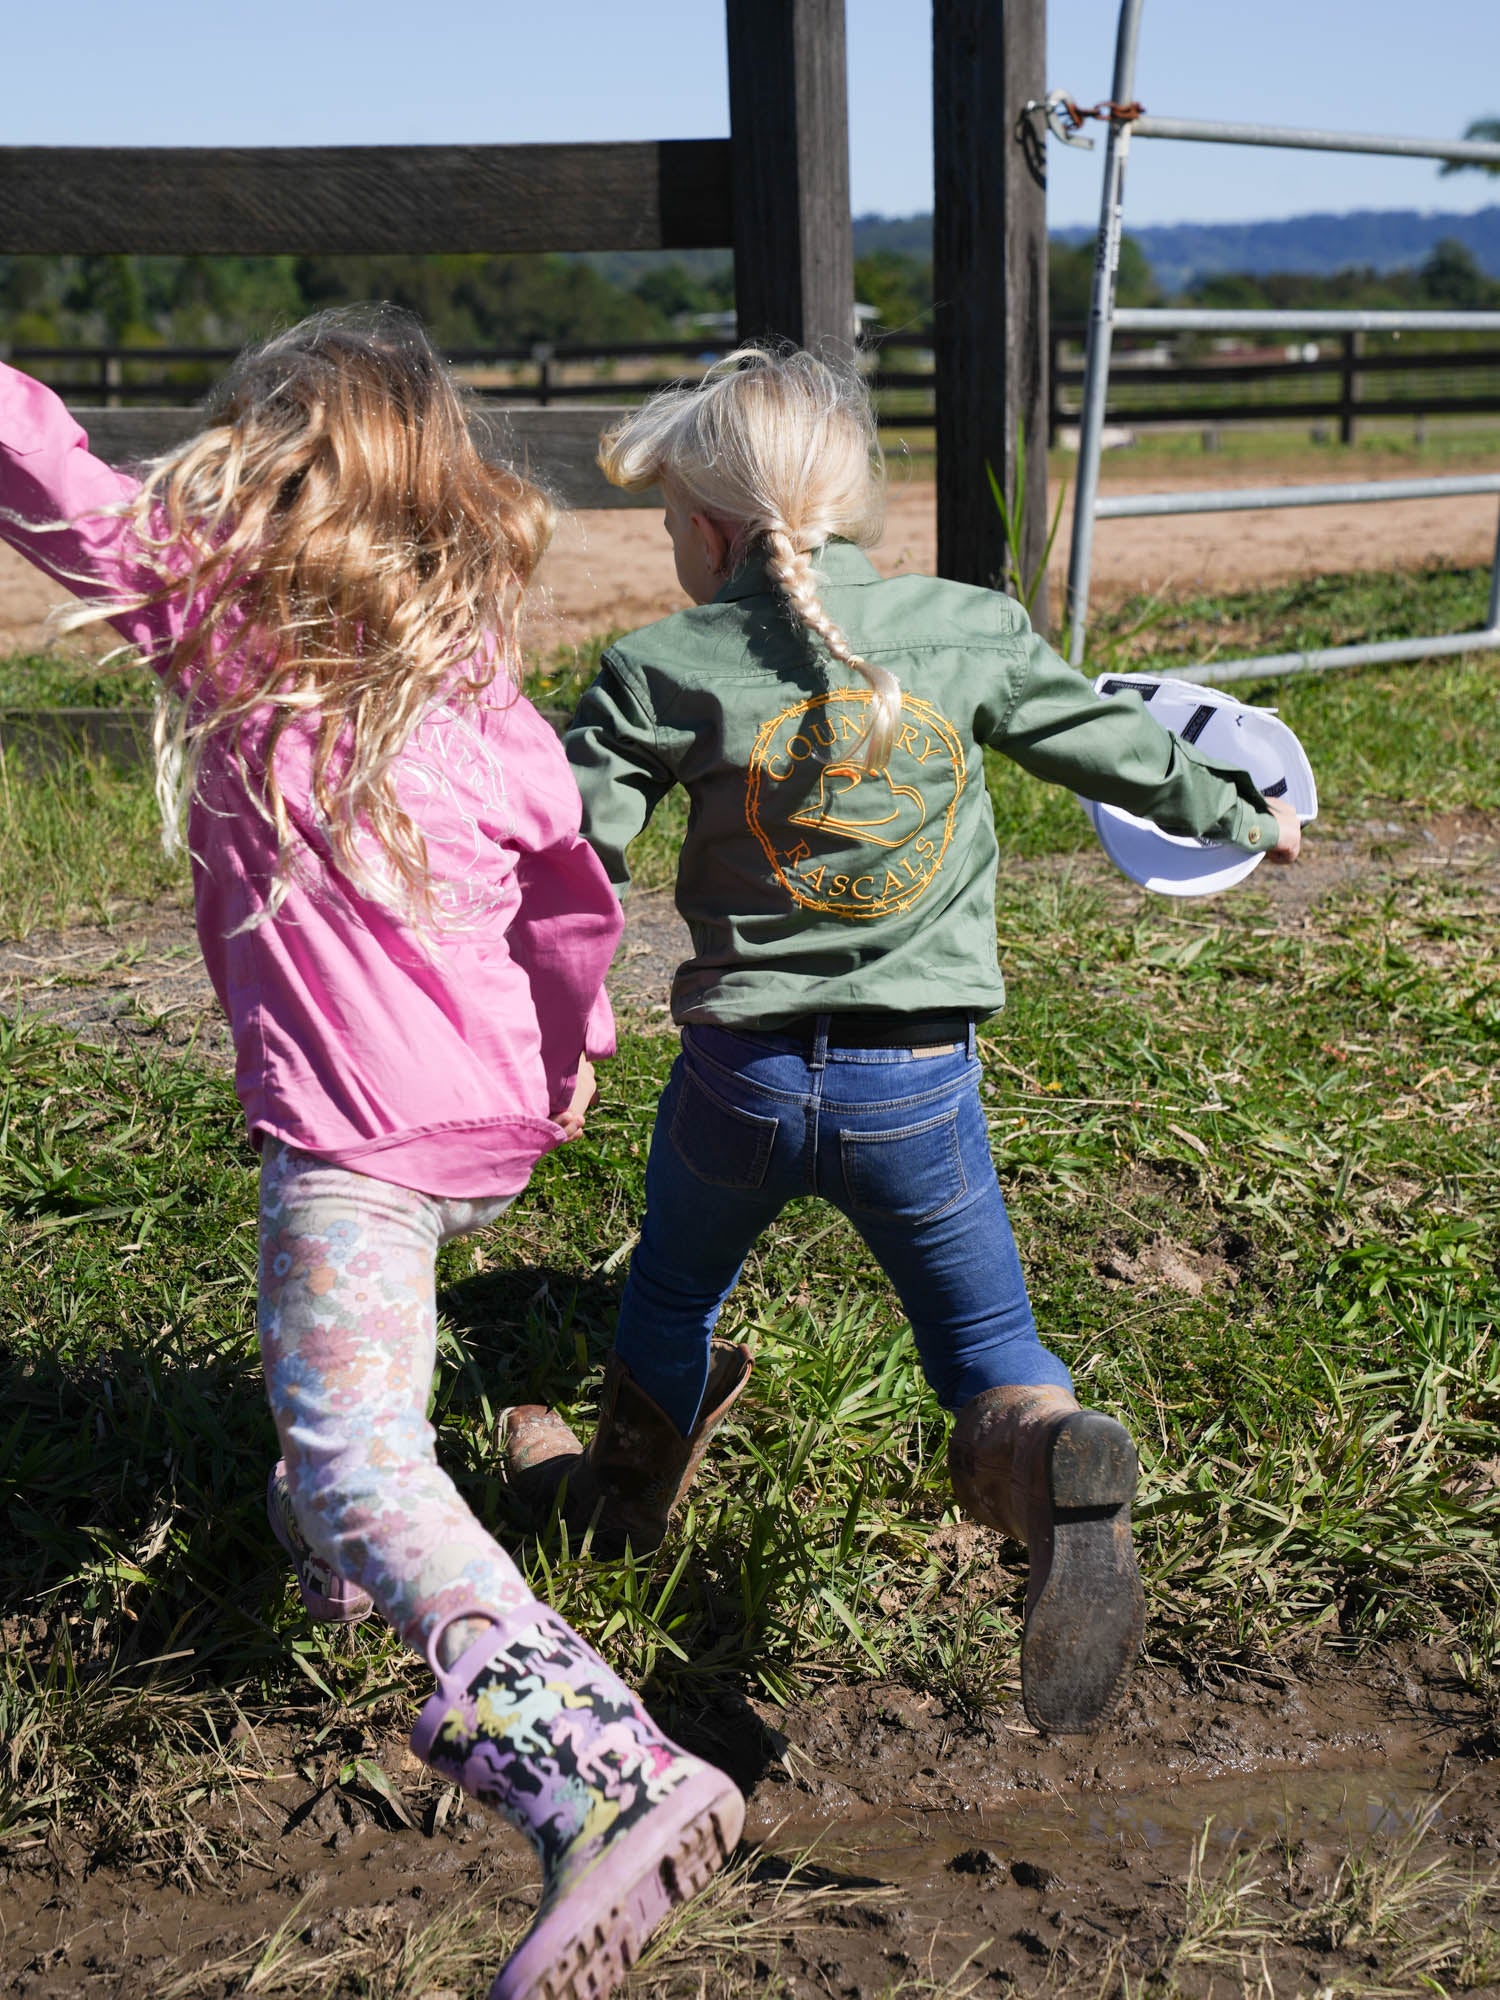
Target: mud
[(889, 1837)]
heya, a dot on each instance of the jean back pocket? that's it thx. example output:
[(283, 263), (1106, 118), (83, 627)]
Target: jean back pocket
[(910, 1174), (719, 1143)]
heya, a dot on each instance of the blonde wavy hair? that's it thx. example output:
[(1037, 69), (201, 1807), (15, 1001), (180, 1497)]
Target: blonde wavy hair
[(780, 449), (338, 543)]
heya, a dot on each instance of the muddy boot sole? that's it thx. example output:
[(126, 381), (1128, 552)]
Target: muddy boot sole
[(584, 1946), (1084, 1625)]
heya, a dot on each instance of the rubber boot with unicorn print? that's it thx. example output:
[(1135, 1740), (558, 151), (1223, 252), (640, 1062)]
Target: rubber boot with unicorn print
[(530, 1721)]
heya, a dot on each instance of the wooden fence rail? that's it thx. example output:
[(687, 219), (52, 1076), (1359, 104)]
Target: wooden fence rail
[(247, 201), (1338, 387), (1144, 396)]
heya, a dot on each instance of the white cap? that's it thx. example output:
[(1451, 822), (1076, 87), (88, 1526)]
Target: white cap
[(1229, 732)]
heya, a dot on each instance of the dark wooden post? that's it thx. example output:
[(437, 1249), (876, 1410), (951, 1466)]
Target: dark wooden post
[(789, 140), (989, 57), (1351, 384)]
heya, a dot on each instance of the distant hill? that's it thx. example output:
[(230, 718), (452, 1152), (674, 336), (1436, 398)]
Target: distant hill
[(1386, 239), (908, 235)]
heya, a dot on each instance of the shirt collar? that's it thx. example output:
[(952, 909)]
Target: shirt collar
[(835, 562)]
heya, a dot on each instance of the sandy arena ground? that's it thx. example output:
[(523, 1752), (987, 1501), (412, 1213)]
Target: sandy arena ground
[(613, 571)]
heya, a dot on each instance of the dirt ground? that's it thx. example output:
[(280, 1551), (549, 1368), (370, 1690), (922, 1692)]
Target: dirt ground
[(890, 1840), (614, 570)]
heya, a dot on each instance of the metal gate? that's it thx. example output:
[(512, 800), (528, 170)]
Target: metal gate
[(1126, 117)]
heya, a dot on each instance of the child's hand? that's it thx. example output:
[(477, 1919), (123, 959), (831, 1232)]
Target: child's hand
[(1291, 831), (585, 1097)]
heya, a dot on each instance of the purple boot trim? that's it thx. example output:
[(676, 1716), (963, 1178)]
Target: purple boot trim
[(327, 1596), (627, 1826)]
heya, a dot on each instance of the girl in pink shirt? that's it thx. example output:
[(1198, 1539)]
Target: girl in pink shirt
[(409, 939)]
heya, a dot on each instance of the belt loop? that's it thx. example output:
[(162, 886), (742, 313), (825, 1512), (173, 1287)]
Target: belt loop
[(819, 1057), (973, 1049)]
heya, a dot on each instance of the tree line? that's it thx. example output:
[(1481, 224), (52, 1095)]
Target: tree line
[(479, 301)]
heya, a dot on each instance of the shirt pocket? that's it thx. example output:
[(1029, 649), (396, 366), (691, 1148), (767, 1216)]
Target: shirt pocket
[(719, 1143), (909, 1174)]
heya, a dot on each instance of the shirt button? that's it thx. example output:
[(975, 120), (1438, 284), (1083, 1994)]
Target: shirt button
[(1253, 836)]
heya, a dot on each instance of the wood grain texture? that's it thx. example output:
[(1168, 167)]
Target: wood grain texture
[(788, 105), (989, 282), (670, 194), (554, 447)]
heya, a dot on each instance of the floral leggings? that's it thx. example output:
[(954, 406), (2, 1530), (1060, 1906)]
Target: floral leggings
[(348, 1337)]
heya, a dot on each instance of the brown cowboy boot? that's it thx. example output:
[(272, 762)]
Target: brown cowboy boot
[(1060, 1479), (637, 1466)]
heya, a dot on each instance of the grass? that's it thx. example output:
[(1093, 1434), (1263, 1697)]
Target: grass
[(1313, 1133), (1418, 1924), (1440, 444), (71, 680), (1383, 444), (1299, 1117)]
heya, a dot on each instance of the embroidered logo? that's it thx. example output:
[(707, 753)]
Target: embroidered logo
[(840, 839)]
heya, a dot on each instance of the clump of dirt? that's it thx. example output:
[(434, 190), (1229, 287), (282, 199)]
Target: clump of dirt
[(1165, 1265)]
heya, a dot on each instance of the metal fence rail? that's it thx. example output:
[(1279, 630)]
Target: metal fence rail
[(1126, 116), (1328, 493), (1314, 139), (1215, 319)]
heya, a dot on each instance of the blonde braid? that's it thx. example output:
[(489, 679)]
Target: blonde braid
[(781, 449), (791, 570)]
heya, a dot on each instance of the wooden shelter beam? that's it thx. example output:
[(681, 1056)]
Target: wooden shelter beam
[(213, 201)]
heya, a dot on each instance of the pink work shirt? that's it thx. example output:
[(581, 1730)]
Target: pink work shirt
[(435, 1059)]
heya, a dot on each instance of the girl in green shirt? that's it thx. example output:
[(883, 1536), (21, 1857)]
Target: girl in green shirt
[(838, 881)]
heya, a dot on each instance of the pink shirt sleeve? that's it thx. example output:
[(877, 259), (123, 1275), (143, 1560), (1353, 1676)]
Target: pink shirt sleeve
[(58, 507), (599, 1029)]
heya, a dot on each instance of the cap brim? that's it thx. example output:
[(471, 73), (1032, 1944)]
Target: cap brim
[(1231, 733), (1168, 863)]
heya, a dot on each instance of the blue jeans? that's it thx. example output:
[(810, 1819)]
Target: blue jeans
[(896, 1141)]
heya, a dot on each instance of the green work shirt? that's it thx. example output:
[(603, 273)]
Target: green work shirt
[(808, 885)]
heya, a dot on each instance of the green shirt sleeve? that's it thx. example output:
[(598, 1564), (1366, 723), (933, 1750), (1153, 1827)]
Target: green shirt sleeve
[(617, 762), (1109, 749)]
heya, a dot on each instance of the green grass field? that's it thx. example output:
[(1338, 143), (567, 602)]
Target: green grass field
[(1299, 1114)]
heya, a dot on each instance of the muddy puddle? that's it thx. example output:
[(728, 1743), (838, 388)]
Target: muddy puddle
[(1290, 1883), (1211, 1818), (1334, 1829), (1285, 1833)]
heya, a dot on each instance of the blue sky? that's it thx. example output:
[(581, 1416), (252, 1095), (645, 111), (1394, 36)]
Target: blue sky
[(304, 71)]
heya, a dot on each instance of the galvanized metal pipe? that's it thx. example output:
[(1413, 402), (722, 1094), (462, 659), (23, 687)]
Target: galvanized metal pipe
[(1101, 315), (1315, 139), (1206, 319), (1104, 317), (1332, 493), (1271, 666)]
